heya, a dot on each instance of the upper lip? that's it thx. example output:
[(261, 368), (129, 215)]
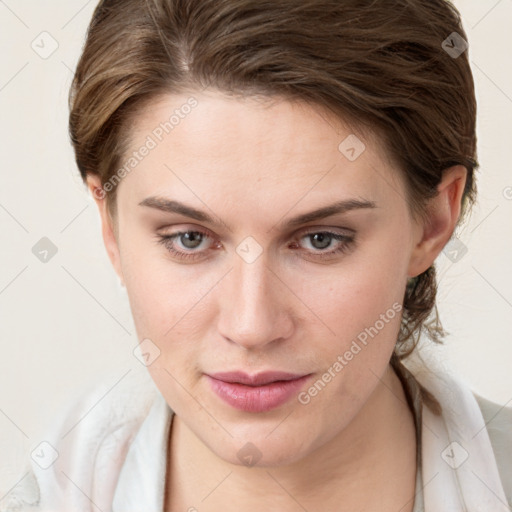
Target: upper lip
[(258, 379)]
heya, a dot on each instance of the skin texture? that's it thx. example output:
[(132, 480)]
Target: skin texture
[(252, 166)]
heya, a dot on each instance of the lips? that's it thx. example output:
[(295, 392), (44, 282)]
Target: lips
[(256, 393), (259, 379)]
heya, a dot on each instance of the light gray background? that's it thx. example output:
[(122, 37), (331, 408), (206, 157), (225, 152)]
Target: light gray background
[(66, 323)]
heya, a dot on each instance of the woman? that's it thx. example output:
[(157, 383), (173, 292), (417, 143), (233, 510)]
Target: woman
[(275, 181)]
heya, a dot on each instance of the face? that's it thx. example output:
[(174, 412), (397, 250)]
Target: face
[(238, 277)]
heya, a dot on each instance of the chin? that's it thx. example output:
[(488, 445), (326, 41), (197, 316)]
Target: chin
[(261, 453), (255, 447)]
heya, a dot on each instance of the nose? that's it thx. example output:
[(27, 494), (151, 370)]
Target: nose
[(256, 305)]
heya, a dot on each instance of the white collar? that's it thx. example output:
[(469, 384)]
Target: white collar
[(459, 468), (141, 483)]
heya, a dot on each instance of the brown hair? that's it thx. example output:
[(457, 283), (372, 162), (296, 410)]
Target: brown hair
[(378, 65)]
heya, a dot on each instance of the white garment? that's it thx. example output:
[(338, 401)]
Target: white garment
[(112, 451), (459, 467)]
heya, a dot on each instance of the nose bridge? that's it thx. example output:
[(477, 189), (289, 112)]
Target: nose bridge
[(253, 312)]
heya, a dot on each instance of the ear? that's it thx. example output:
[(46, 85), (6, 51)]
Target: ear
[(443, 213), (108, 229)]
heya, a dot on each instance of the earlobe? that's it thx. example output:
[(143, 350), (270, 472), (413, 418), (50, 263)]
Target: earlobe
[(443, 214), (107, 223)]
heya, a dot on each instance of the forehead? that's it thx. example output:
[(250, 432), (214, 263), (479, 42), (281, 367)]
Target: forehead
[(252, 149)]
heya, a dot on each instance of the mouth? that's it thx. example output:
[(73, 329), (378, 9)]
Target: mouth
[(256, 393)]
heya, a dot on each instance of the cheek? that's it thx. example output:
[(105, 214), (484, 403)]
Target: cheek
[(170, 306), (360, 302), (363, 307), (166, 305), (160, 291), (365, 322), (352, 296)]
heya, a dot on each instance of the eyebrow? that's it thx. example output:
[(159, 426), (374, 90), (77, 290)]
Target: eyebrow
[(172, 206)]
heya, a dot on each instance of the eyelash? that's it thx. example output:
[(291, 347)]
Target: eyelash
[(345, 245)]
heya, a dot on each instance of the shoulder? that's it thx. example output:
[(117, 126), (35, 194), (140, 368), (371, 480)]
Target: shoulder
[(85, 446), (495, 414), (461, 405), (498, 421)]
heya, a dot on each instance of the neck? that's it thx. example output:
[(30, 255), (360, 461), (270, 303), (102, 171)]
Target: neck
[(370, 465)]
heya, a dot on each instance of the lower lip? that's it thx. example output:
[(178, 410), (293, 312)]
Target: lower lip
[(256, 398)]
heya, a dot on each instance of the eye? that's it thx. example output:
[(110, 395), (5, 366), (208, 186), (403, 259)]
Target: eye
[(192, 244), (185, 241), (321, 240)]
